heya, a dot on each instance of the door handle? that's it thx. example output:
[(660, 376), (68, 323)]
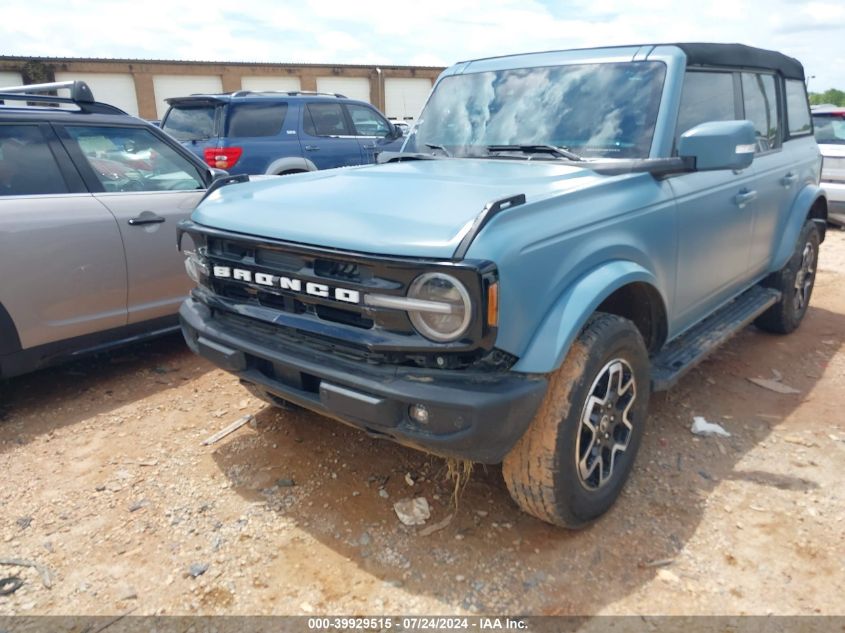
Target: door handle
[(147, 217), (312, 148), (789, 180), (373, 146), (744, 197)]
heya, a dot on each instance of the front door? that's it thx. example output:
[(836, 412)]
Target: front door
[(64, 273), (373, 132), (327, 139), (715, 209)]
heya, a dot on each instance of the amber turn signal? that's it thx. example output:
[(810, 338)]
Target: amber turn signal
[(493, 304)]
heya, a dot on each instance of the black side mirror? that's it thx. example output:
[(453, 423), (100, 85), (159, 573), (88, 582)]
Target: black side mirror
[(395, 132), (217, 173)]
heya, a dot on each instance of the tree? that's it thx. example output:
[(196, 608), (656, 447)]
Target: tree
[(833, 96)]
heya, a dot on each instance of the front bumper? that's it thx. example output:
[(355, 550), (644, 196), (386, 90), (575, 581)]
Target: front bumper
[(472, 415)]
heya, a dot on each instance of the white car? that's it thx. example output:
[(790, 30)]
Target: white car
[(829, 125), (403, 125)]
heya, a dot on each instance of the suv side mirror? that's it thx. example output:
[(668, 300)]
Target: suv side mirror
[(395, 132), (719, 145), (217, 173)]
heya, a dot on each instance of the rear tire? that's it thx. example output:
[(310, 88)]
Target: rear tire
[(573, 461), (795, 282)]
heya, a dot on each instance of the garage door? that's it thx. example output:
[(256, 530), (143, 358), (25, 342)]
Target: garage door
[(405, 97), (270, 83), (352, 87), (167, 86), (7, 80), (117, 89)]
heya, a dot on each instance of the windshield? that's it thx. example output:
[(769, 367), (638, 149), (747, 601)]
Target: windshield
[(190, 123), (829, 128), (595, 110)]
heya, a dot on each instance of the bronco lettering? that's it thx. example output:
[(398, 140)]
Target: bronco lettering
[(288, 283)]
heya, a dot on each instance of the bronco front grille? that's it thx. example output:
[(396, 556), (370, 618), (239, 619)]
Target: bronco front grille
[(296, 294), (306, 267)]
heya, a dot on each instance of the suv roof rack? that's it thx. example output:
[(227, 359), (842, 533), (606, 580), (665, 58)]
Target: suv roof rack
[(290, 93), (80, 96)]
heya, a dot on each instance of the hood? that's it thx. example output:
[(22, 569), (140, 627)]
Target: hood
[(415, 209)]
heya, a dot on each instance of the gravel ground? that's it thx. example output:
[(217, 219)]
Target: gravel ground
[(109, 489)]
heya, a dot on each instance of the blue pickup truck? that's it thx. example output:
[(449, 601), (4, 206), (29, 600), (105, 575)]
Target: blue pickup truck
[(562, 234)]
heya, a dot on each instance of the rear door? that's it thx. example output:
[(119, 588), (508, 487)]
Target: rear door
[(64, 272), (780, 168), (327, 137), (150, 187), (259, 131), (373, 131)]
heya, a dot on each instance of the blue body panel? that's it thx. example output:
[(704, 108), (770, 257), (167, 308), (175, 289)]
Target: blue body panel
[(545, 249)]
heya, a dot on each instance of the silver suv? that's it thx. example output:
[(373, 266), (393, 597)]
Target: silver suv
[(89, 202)]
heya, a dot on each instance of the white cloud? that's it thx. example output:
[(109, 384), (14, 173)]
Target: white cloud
[(437, 32)]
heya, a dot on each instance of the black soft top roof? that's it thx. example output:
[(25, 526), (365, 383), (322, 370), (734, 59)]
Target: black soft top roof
[(741, 56)]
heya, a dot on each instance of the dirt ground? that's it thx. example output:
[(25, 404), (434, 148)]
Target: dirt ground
[(106, 484)]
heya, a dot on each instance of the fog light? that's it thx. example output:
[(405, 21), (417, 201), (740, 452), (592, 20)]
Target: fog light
[(419, 413)]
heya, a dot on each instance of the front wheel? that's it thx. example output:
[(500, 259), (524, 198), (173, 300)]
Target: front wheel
[(795, 281), (574, 459)]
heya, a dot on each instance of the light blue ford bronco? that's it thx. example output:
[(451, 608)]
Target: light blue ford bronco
[(562, 234)]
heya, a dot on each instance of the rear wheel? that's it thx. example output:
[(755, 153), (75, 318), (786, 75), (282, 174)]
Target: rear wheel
[(573, 461), (795, 281)]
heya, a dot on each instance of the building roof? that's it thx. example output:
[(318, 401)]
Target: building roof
[(188, 62)]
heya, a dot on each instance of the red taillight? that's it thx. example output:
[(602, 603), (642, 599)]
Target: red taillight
[(222, 157)]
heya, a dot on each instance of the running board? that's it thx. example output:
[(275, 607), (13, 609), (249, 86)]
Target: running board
[(689, 349)]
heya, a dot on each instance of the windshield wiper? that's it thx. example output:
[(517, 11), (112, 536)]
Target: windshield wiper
[(559, 152), (398, 157), (440, 147)]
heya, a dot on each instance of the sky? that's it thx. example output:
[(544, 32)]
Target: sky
[(400, 32)]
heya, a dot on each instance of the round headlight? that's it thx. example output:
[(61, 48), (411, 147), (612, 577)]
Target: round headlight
[(449, 315)]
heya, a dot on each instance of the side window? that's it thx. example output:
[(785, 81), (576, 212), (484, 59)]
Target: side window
[(761, 108), (367, 122), (133, 159), (27, 166), (706, 96), (797, 108), (256, 119), (325, 119)]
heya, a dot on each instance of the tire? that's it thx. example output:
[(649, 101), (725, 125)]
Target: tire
[(795, 282), (541, 471)]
